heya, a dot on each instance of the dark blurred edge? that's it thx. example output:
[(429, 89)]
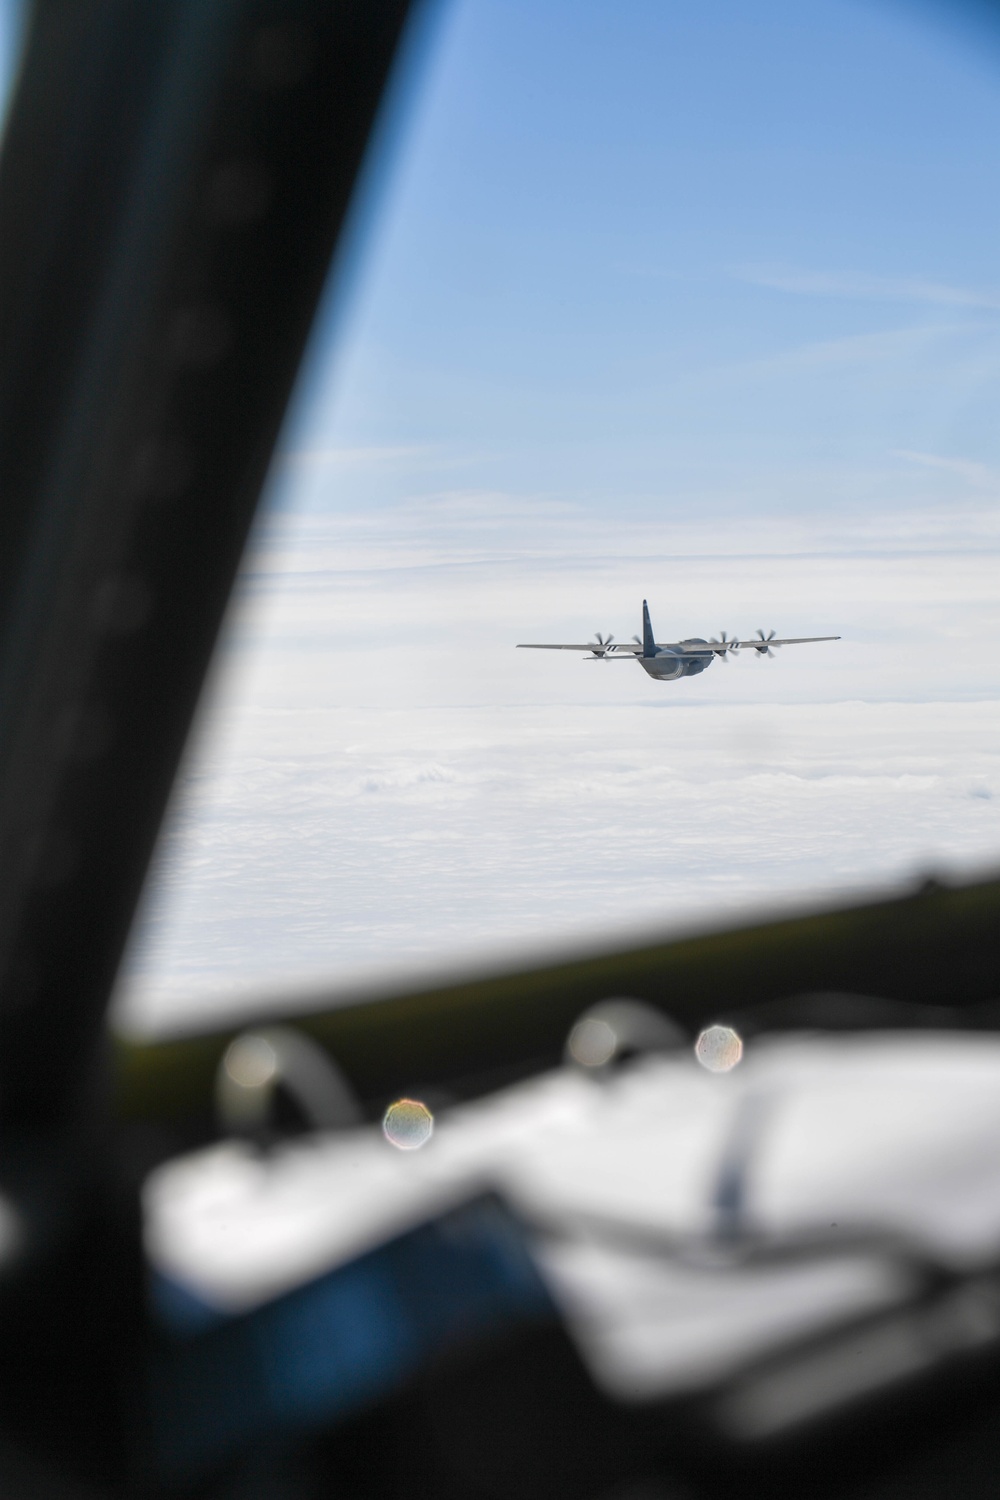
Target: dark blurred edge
[(937, 949), (174, 179)]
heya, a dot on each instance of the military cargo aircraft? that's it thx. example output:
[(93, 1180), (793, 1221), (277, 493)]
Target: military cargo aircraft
[(678, 658)]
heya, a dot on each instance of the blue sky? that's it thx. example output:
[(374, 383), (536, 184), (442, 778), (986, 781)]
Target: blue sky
[(625, 250), (699, 303), (11, 24)]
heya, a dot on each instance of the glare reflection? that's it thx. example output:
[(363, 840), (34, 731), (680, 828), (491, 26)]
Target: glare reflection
[(718, 1048), (592, 1043), (408, 1124), (250, 1061)]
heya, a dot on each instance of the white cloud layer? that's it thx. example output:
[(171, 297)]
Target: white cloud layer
[(382, 780)]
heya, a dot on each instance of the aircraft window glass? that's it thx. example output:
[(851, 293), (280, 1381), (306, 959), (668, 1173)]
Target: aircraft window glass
[(12, 19), (696, 304)]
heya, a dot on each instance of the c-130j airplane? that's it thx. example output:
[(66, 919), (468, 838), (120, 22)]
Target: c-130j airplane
[(678, 658)]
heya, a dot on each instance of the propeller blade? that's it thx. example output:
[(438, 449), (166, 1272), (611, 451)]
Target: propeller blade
[(731, 643)]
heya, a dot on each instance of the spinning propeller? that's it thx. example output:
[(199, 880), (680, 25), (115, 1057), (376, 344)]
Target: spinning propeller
[(731, 643), (764, 649), (603, 644)]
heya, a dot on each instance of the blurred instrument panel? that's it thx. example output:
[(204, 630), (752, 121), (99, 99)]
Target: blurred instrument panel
[(762, 1237)]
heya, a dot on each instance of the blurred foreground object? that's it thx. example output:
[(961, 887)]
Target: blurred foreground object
[(932, 953), (173, 182), (857, 1255)]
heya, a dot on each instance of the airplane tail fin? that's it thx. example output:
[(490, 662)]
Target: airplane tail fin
[(648, 644)]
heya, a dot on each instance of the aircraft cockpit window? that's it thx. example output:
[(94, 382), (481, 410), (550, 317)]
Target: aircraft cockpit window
[(676, 341), (11, 34)]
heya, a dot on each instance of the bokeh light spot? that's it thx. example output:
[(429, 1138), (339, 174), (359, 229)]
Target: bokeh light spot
[(408, 1124), (592, 1043), (250, 1061), (718, 1048)]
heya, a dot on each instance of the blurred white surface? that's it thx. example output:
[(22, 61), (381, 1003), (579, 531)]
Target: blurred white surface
[(862, 1142)]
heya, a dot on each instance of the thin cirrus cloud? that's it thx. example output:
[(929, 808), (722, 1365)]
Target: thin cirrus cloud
[(853, 349), (345, 457), (864, 287), (979, 475)]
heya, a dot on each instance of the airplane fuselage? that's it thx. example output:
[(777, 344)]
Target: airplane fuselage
[(667, 663)]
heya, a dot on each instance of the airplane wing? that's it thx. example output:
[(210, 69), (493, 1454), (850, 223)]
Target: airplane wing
[(700, 647), (625, 651), (793, 640)]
